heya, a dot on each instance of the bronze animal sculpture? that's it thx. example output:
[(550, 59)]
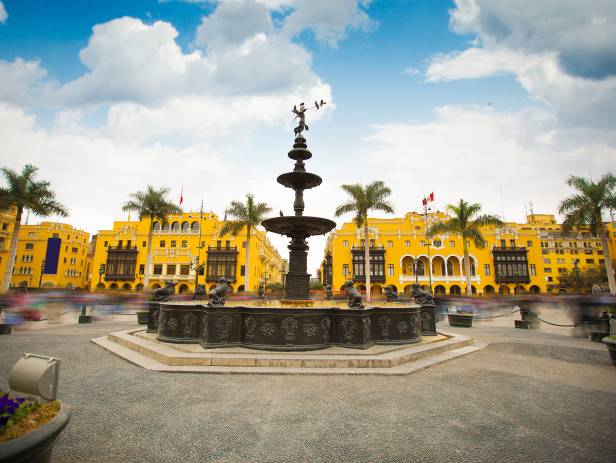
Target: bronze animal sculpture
[(218, 295), (199, 293), (329, 294), (391, 294), (163, 294), (420, 296), (354, 299)]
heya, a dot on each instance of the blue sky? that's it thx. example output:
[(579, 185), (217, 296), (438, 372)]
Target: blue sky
[(467, 98)]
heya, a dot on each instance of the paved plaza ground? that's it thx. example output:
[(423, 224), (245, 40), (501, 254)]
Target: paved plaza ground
[(537, 395)]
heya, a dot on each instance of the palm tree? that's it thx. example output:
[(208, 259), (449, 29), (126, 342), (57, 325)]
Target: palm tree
[(249, 215), (363, 199), (24, 192), (466, 222), (151, 204), (586, 208)]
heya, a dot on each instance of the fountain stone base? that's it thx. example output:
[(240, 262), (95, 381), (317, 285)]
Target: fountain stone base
[(288, 328)]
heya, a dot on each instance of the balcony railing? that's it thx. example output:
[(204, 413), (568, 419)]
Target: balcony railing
[(222, 249), (122, 248), (509, 249), (372, 248), (373, 278), (438, 278), (118, 276)]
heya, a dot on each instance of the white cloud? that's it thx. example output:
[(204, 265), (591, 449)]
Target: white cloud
[(3, 14), (20, 81), (328, 20), (582, 34), (474, 153), (561, 52)]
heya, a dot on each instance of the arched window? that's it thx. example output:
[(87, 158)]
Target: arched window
[(175, 226), (420, 267), (156, 226), (185, 226), (165, 226), (194, 226)]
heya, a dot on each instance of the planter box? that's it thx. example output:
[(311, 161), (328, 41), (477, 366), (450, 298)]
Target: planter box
[(461, 320), (36, 446), (597, 336), (142, 318), (611, 348)]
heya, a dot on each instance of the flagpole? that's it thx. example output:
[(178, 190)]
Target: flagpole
[(428, 239)]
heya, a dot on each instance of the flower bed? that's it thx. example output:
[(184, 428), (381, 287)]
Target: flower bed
[(20, 415)]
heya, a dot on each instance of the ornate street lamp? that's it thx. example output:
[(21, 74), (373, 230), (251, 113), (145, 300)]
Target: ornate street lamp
[(101, 270), (42, 271)]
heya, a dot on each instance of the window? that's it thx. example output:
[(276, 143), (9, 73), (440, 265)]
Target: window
[(547, 261), (602, 261), (170, 269), (144, 244), (390, 270), (562, 270), (128, 244), (29, 245), (158, 269), (390, 244), (417, 227), (185, 226), (422, 243), (345, 243), (56, 235), (503, 243), (590, 261), (227, 244), (407, 244), (184, 243), (5, 227), (74, 250), (345, 270), (512, 243), (105, 244), (119, 244), (184, 269), (194, 226), (533, 270), (243, 268), (550, 279), (173, 243), (372, 243), (560, 260), (486, 269), (175, 226), (162, 243), (452, 244), (141, 269), (244, 244), (547, 270)]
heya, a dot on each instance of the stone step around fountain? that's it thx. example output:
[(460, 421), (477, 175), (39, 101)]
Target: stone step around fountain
[(142, 349)]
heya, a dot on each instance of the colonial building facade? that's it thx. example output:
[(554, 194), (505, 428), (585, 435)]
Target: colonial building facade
[(519, 258), (187, 244), (51, 255)]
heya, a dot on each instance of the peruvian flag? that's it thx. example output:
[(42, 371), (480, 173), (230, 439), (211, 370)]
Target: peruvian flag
[(182, 195), (428, 199)]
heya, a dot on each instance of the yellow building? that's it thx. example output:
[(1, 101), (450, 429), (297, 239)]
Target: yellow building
[(50, 255), (7, 223), (519, 258), (120, 254)]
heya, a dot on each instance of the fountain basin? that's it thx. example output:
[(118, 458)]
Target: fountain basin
[(288, 328), (299, 225)]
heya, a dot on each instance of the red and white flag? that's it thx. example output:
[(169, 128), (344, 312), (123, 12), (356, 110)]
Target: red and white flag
[(182, 195), (428, 199)]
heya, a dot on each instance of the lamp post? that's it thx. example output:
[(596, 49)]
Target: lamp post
[(198, 248), (415, 271), (265, 275), (101, 270), (42, 271), (576, 271)]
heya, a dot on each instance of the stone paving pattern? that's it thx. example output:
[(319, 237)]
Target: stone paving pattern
[(529, 396)]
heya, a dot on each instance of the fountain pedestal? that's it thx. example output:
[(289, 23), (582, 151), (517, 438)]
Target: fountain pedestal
[(299, 227)]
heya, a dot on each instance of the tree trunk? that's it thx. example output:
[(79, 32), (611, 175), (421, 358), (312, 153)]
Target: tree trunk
[(467, 269), (247, 267), (148, 259), (367, 260), (608, 260), (8, 273)]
